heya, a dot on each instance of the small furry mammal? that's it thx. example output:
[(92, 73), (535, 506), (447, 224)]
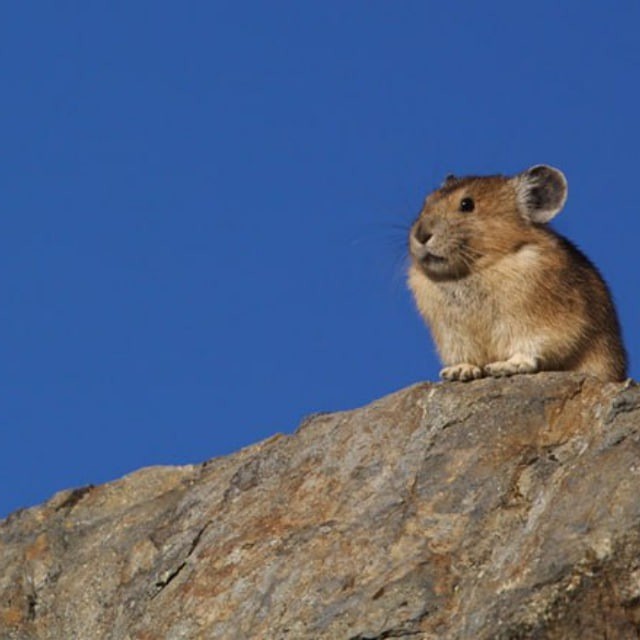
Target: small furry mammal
[(501, 291)]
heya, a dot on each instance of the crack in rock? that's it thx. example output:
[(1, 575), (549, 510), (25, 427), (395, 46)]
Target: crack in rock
[(404, 630), (171, 574)]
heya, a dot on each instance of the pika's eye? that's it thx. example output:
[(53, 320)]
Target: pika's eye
[(467, 204)]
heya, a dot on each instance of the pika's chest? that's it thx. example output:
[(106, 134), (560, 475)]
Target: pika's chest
[(463, 296), (464, 302), (460, 314)]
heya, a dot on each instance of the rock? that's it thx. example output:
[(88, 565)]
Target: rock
[(493, 509)]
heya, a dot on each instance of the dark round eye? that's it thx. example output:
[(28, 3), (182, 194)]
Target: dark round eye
[(467, 204)]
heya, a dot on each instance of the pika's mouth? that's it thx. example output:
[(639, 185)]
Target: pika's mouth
[(437, 267), (423, 254), (432, 259), (428, 259), (433, 265)]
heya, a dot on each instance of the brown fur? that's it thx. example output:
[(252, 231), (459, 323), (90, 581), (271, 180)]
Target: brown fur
[(502, 292)]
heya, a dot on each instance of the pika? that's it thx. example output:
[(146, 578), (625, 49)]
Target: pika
[(500, 290)]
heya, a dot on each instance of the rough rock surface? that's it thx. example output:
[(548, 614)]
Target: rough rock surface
[(493, 509)]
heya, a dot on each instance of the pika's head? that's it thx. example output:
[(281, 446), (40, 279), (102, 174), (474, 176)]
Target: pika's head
[(471, 222)]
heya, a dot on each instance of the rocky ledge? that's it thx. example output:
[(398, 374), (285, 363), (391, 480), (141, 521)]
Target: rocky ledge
[(493, 509)]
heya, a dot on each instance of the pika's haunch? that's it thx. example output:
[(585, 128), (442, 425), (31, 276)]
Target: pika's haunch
[(502, 292)]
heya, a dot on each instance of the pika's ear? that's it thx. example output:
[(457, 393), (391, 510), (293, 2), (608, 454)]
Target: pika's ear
[(541, 192)]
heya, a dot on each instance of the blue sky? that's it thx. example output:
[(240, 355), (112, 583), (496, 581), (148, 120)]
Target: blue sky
[(202, 235)]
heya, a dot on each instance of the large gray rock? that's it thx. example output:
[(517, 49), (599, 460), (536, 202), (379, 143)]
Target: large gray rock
[(493, 509)]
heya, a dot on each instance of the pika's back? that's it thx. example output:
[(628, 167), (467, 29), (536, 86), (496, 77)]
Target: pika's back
[(501, 292)]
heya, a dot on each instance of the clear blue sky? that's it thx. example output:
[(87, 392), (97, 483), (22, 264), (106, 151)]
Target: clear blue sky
[(204, 204)]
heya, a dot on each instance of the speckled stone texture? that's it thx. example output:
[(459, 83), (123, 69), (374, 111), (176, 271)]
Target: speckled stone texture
[(497, 509)]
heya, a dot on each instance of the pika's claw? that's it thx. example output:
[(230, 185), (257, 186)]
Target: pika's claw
[(462, 372), (512, 366)]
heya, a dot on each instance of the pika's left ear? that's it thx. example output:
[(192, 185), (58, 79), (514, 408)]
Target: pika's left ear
[(541, 192)]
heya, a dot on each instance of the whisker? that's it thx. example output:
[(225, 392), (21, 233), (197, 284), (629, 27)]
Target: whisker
[(392, 231)]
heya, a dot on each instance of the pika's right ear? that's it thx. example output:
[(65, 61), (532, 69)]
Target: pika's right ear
[(541, 192)]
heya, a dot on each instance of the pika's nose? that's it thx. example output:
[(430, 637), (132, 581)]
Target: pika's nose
[(422, 235)]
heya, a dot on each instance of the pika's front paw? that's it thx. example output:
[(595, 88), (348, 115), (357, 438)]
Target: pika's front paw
[(462, 372), (512, 366)]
